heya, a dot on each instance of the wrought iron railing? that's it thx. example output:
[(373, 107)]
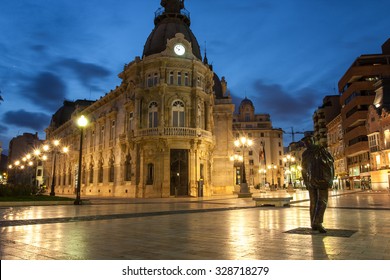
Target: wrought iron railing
[(174, 131)]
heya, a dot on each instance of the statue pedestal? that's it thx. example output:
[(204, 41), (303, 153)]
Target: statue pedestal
[(244, 191)]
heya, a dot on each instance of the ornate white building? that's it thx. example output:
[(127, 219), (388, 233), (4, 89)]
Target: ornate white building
[(165, 131)]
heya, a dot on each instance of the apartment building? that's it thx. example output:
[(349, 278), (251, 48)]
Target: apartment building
[(357, 88)]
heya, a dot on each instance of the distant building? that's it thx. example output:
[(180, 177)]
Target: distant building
[(293, 169), (329, 109), (335, 144), (378, 127), (3, 169), (358, 92), (18, 171), (267, 149)]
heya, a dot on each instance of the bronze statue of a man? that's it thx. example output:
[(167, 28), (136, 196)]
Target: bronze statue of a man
[(317, 173)]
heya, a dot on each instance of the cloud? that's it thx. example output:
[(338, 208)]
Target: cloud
[(3, 128), (290, 108), (22, 118), (38, 48), (46, 90), (86, 73)]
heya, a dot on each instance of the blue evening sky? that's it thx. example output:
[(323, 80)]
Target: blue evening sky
[(284, 55)]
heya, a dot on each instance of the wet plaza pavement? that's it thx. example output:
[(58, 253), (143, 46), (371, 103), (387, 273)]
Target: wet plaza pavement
[(216, 228)]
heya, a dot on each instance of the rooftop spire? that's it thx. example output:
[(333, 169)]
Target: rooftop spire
[(172, 9), (172, 6), (205, 60)]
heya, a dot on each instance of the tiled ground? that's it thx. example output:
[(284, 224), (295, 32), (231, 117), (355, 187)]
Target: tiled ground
[(223, 228)]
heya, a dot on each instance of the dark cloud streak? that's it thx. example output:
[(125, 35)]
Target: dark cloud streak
[(85, 72), (22, 118), (46, 90), (290, 108)]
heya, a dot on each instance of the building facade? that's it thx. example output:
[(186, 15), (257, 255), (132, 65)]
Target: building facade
[(329, 109), (357, 89), (165, 131), (378, 127), (263, 161), (18, 171), (335, 145)]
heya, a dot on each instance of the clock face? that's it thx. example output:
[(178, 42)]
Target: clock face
[(179, 49)]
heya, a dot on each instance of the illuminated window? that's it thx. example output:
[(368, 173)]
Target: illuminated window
[(155, 79), (91, 173), (101, 139), (186, 80), (131, 121), (150, 174), (179, 78), (112, 130), (171, 78), (128, 168), (378, 160), (111, 170), (178, 113), (153, 115), (100, 172), (149, 81)]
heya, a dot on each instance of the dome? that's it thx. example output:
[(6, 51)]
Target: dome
[(169, 21), (246, 102)]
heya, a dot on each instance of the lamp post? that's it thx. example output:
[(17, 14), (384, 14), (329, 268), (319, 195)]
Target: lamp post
[(81, 123), (236, 158), (243, 143), (263, 173), (272, 167), (54, 149), (37, 158), (289, 159)]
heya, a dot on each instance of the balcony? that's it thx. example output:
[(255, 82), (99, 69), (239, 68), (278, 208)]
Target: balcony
[(174, 131)]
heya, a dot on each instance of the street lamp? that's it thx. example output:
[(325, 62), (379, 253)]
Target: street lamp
[(243, 143), (272, 167), (236, 158), (82, 122), (289, 159)]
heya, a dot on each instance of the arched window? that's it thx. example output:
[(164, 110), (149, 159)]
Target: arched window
[(153, 114), (149, 81), (131, 122), (150, 174), (112, 170), (70, 176), (178, 114), (127, 171), (171, 78), (91, 173), (155, 79), (179, 78), (112, 130), (100, 172), (200, 117), (83, 174), (101, 139), (92, 142), (186, 80)]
